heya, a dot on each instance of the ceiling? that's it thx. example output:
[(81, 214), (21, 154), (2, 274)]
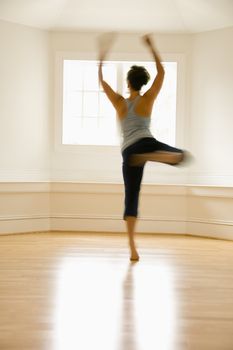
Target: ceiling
[(179, 16)]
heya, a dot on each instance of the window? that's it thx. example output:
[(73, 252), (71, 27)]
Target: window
[(88, 116)]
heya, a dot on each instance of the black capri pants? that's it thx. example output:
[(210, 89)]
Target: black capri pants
[(133, 174)]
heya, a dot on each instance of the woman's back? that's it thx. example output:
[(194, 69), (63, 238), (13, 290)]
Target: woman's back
[(133, 126)]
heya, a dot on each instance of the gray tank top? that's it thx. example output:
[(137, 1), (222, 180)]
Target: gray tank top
[(133, 126)]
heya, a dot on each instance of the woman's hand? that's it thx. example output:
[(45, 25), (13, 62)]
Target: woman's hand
[(148, 41), (105, 42)]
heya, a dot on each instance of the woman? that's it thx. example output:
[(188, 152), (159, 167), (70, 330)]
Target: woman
[(138, 144)]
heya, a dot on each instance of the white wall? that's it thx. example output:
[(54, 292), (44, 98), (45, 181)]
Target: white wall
[(211, 108), (24, 103), (103, 164), (205, 112)]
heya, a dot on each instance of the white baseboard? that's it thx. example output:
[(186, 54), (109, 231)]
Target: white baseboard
[(219, 229), (85, 223), (24, 207), (179, 209), (116, 224), (19, 224)]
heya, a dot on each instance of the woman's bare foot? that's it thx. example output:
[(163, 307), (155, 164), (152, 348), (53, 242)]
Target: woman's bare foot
[(134, 256)]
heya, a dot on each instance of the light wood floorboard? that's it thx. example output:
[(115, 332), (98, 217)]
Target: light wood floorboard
[(79, 291)]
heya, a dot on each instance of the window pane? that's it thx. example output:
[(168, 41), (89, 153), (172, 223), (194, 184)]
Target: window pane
[(72, 105), (108, 131), (90, 124), (106, 108), (110, 74), (72, 75), (90, 104), (164, 111), (71, 130), (91, 76)]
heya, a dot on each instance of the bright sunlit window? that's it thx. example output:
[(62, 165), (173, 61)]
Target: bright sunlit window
[(88, 116)]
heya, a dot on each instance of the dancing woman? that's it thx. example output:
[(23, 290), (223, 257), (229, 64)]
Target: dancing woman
[(138, 145)]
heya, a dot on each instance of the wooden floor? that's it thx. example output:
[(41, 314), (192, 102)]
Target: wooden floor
[(68, 291)]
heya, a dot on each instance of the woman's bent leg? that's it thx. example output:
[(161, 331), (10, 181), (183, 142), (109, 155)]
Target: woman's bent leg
[(155, 151), (171, 158)]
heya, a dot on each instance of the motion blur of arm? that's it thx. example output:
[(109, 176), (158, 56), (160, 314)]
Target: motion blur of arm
[(111, 94), (152, 93)]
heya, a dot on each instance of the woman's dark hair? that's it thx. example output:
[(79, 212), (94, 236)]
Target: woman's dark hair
[(137, 76)]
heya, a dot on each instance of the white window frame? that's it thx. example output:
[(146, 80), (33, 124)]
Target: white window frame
[(58, 98)]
